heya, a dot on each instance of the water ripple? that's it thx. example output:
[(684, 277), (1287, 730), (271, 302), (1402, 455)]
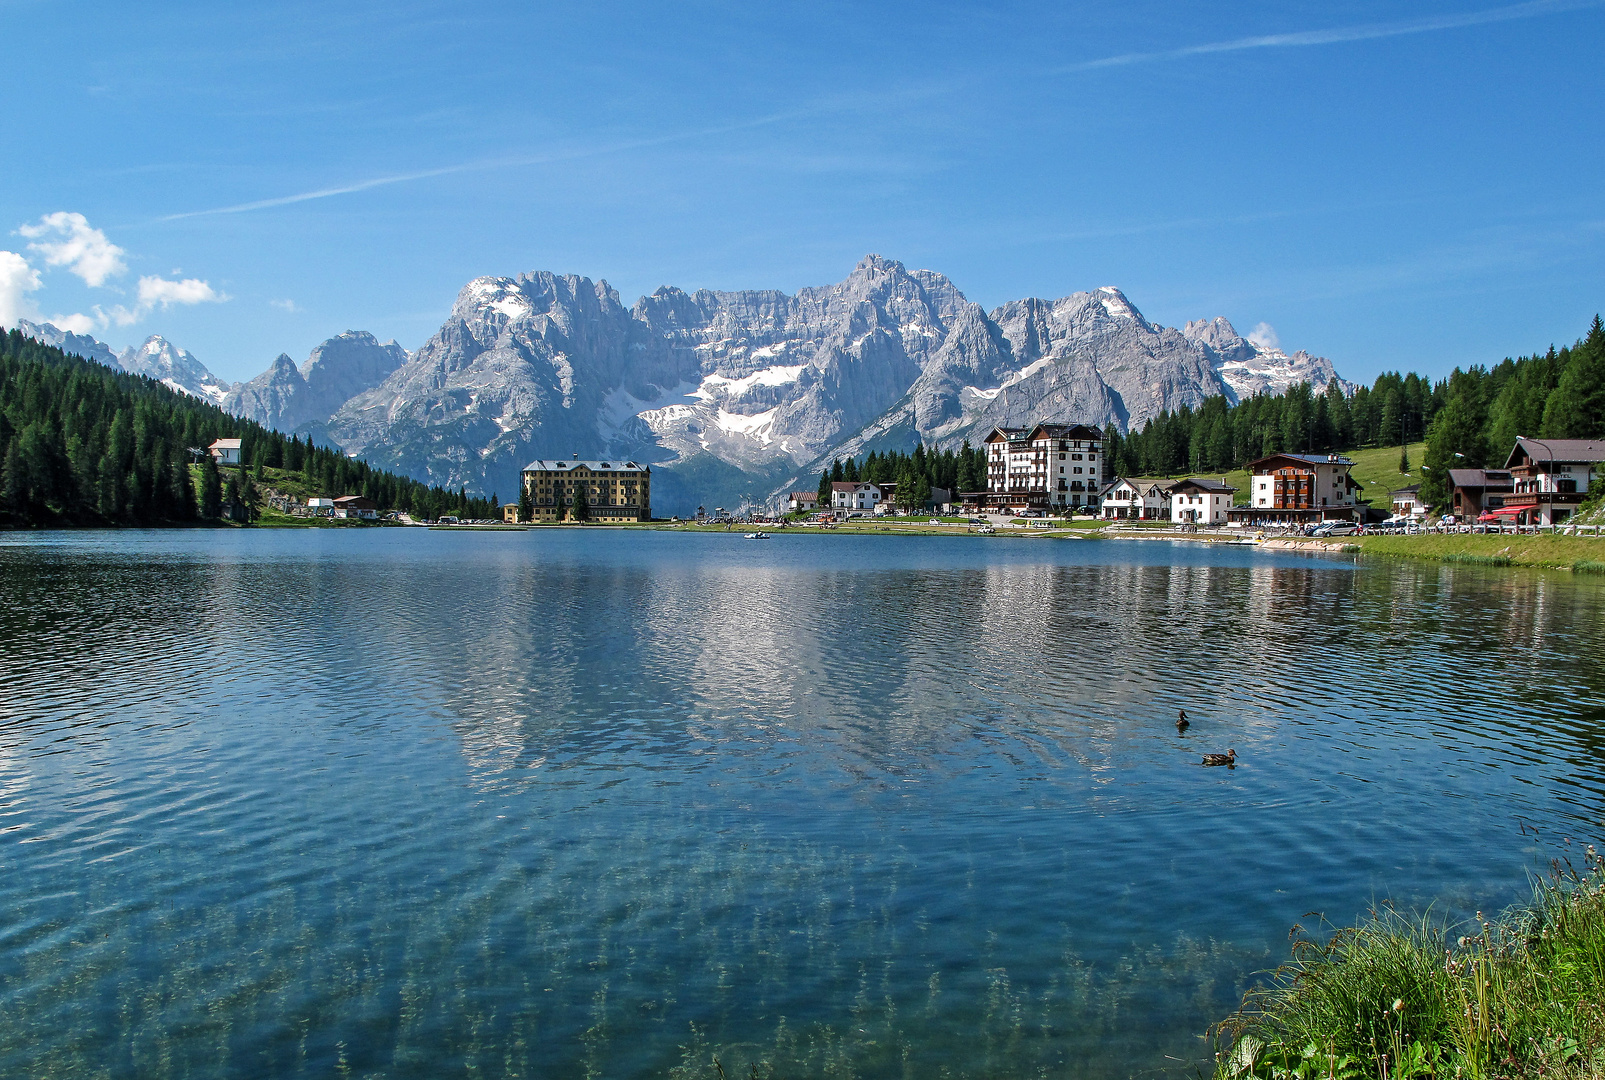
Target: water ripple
[(414, 804)]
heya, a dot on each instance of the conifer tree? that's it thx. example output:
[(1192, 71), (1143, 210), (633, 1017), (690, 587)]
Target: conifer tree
[(1576, 410), (526, 503), (211, 506)]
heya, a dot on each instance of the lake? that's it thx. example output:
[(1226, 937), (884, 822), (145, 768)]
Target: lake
[(570, 802)]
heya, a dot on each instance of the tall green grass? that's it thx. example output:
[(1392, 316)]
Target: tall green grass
[(1397, 998), (1588, 566), (1476, 560)]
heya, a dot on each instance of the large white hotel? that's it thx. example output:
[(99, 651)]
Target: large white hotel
[(1048, 468)]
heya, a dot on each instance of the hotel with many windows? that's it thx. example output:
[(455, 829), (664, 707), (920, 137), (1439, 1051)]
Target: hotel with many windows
[(613, 490)]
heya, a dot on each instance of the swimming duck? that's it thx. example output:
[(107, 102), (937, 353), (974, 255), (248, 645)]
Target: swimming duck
[(1182, 723), (1228, 758)]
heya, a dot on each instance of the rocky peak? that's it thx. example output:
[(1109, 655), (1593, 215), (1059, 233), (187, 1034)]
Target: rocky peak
[(163, 361), (80, 344), (346, 365)]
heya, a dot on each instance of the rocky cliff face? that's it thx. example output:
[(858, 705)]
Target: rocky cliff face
[(302, 400)]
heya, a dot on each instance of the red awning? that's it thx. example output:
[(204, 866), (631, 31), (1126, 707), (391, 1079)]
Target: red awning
[(1510, 512)]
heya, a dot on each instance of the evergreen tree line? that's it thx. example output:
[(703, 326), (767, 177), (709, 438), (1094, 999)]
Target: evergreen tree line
[(1470, 419), (1559, 395), (915, 473), (82, 443), (1219, 436)]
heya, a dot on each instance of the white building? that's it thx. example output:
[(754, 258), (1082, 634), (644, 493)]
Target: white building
[(802, 500), (1049, 468), (1551, 477), (854, 495), (1407, 502), (1136, 500), (226, 451), (1200, 501)]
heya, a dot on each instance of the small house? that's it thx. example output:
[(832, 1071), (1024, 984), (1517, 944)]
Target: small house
[(1407, 502), (356, 507), (854, 495), (802, 501), (1475, 492), (225, 451), (1136, 500), (1201, 501)]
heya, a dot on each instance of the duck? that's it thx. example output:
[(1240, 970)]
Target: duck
[(1182, 723), (1228, 758)]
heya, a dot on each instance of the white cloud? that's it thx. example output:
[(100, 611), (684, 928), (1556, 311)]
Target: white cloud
[(83, 250), (76, 324), (285, 305), (156, 291), (17, 279), (1264, 336), (66, 239)]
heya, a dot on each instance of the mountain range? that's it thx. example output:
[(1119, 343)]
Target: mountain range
[(731, 396)]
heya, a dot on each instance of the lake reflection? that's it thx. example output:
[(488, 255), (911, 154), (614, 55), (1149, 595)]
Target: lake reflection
[(420, 804)]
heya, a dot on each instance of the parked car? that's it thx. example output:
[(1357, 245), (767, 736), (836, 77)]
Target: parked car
[(1336, 528)]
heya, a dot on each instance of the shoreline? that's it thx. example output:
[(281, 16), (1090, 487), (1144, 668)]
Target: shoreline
[(1574, 554)]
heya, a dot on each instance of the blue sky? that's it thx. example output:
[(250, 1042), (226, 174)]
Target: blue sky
[(1393, 185)]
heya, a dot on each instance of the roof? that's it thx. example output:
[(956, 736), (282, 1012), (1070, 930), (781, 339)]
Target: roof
[(803, 495), (1307, 459), (1477, 478), (849, 485), (1413, 489), (225, 444), (352, 500), (1141, 486), (1044, 431), (559, 465), (1203, 483), (1553, 450)]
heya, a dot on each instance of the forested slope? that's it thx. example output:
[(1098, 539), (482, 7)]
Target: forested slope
[(85, 444)]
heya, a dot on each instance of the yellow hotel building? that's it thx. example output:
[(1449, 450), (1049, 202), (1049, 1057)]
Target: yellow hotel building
[(614, 490)]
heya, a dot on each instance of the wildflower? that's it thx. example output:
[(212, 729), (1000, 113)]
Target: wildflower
[(1398, 1005)]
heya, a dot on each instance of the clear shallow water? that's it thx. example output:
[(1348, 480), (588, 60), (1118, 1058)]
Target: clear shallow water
[(415, 804)]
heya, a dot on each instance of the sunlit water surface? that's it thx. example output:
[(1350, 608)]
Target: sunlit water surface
[(561, 803)]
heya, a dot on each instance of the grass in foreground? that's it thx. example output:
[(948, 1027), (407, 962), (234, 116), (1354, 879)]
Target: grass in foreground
[(1521, 996), (1579, 553)]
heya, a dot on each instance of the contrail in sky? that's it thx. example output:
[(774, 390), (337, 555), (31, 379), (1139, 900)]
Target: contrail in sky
[(1337, 35), (479, 166), (1297, 39)]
